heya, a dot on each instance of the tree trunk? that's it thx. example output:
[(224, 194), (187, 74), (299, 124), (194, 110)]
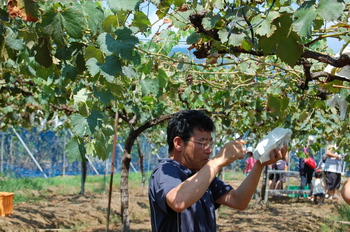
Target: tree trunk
[(263, 187), (83, 176), (141, 156), (124, 190)]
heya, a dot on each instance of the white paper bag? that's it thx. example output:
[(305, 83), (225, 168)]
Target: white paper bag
[(275, 139)]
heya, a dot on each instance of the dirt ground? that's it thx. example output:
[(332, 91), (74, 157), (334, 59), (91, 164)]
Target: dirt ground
[(88, 214)]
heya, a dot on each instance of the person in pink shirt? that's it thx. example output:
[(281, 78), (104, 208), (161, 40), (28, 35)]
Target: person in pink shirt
[(249, 162)]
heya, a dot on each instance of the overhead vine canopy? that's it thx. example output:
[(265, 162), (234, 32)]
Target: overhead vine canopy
[(251, 64), (273, 28)]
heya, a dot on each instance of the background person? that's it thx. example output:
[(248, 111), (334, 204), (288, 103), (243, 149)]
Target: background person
[(249, 162), (280, 178), (333, 169), (184, 191), (318, 191), (306, 173)]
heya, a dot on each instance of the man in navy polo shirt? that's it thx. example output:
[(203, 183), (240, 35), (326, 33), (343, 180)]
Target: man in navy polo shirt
[(184, 191)]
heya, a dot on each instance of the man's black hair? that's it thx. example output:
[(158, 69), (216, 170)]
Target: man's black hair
[(183, 124)]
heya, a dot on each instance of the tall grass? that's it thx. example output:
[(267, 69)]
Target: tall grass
[(35, 189)]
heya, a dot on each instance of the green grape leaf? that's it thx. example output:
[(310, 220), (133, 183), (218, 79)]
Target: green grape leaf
[(179, 3), (83, 109), (118, 5), (92, 51), (43, 54), (81, 96), (149, 86), (105, 96), (110, 23), (305, 16), (223, 33), (58, 23), (330, 9), (274, 105), (141, 21), (180, 23), (163, 9), (73, 22), (210, 20), (129, 71), (94, 120), (99, 147), (125, 43), (162, 78), (266, 28), (70, 71), (236, 39), (267, 45), (93, 66), (90, 8), (75, 149), (12, 41), (79, 124), (63, 53), (111, 67), (288, 47), (123, 46)]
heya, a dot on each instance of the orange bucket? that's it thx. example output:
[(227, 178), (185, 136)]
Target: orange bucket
[(6, 203)]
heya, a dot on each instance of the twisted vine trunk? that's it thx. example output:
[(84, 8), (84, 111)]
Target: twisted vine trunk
[(124, 182), (83, 176), (264, 183), (141, 156), (124, 190)]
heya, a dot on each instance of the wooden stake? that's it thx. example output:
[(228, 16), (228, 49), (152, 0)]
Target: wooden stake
[(112, 167)]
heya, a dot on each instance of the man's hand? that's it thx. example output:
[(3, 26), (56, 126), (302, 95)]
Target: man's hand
[(276, 155), (230, 152)]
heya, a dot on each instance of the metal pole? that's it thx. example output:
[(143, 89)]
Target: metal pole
[(266, 190), (29, 152), (64, 156), (93, 167)]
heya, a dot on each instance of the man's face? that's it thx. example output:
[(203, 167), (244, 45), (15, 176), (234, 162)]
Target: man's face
[(196, 155)]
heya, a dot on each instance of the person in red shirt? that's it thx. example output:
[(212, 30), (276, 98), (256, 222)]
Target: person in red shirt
[(249, 162)]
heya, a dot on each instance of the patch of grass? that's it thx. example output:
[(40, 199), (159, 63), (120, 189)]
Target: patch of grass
[(344, 211), (233, 175), (344, 216), (14, 184), (335, 222), (35, 189)]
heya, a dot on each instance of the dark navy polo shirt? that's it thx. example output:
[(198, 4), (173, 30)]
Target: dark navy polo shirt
[(198, 217)]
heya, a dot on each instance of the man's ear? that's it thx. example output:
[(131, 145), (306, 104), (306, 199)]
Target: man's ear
[(178, 143)]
